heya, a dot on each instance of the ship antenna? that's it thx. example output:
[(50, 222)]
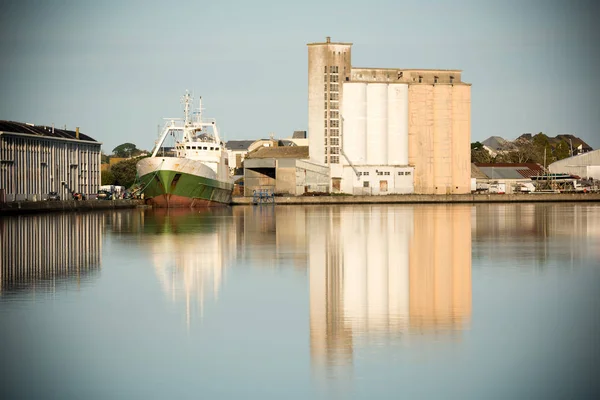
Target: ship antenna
[(186, 100)]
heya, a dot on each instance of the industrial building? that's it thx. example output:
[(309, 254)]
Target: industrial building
[(586, 165), (387, 130), (283, 170), (37, 160)]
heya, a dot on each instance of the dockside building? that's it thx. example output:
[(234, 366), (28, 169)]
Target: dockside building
[(387, 130), (36, 160)]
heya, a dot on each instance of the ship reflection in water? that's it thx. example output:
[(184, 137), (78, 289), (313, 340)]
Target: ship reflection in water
[(191, 253), (384, 272), (46, 252)]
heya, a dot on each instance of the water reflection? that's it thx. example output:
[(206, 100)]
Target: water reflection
[(380, 272), (536, 234), (191, 253), (44, 252)]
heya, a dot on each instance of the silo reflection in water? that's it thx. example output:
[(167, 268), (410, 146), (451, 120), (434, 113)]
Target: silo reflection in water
[(382, 272)]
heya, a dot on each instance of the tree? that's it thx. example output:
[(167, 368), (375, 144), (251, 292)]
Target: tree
[(481, 156), (125, 172), (126, 150), (562, 150), (107, 177), (104, 159)]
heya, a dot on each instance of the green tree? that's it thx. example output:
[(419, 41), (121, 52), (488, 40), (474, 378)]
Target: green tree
[(104, 159), (477, 146), (481, 156), (562, 150), (126, 150), (107, 177), (125, 172)]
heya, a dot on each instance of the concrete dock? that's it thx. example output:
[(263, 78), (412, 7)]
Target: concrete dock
[(24, 207), (429, 198)]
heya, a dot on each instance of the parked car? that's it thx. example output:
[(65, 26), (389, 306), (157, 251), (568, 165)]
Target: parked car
[(53, 196), (104, 195)]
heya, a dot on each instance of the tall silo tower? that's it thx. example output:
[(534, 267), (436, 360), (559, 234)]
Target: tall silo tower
[(328, 67)]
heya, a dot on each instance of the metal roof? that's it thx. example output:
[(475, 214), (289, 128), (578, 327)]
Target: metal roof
[(40, 130), (238, 144), (510, 170), (280, 152)]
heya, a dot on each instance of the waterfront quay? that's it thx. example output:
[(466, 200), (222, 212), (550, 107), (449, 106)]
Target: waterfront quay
[(24, 207), (426, 198)]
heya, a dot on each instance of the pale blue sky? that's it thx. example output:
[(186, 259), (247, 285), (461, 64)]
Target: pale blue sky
[(116, 68)]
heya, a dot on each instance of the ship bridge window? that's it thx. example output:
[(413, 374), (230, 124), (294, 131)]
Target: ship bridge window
[(212, 148), (187, 147), (205, 148)]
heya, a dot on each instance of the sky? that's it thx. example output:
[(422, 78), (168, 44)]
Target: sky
[(117, 68)]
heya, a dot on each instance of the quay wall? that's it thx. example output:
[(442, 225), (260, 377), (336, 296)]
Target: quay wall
[(23, 207), (430, 198)]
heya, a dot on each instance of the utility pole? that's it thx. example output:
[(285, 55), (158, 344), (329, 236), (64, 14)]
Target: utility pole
[(571, 143)]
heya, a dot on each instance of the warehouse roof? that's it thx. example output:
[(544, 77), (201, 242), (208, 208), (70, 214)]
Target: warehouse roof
[(238, 144), (40, 130), (510, 170), (280, 152)]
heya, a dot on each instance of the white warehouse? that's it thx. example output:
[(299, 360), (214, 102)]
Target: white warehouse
[(586, 165)]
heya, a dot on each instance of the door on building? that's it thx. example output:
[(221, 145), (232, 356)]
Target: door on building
[(383, 186), (336, 184)]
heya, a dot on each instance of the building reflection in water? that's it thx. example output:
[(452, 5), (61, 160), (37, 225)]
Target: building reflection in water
[(535, 233), (43, 252), (386, 271), (191, 249)]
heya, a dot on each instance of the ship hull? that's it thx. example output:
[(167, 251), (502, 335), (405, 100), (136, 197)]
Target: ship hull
[(169, 182)]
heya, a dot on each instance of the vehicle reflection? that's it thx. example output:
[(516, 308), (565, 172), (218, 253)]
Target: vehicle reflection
[(45, 252)]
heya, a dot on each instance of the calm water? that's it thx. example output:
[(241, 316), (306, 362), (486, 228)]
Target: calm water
[(382, 301)]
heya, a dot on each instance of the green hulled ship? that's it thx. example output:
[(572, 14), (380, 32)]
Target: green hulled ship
[(194, 172)]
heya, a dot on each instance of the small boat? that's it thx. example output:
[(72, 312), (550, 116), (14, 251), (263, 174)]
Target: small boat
[(195, 173)]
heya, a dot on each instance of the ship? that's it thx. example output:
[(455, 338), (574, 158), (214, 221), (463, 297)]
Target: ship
[(194, 172)]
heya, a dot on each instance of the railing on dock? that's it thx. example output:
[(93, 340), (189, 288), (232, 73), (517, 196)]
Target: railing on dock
[(262, 196)]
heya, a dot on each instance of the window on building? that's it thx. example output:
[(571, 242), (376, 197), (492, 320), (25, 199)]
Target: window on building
[(325, 104), (334, 123), (407, 173), (334, 78), (335, 160), (387, 172), (420, 79), (325, 96), (366, 184), (366, 173), (451, 79), (325, 115), (325, 123), (325, 141), (334, 114), (401, 173), (435, 79), (347, 79), (334, 141), (334, 132), (334, 106), (325, 69), (325, 87), (334, 150), (333, 96), (333, 87)]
